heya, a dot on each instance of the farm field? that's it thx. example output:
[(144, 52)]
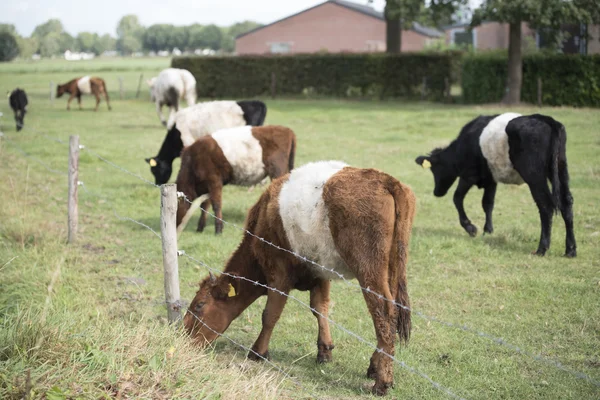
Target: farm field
[(100, 331)]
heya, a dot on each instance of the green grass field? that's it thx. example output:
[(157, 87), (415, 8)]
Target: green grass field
[(101, 332)]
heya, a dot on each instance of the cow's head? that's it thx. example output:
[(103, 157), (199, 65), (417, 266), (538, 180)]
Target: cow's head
[(444, 173), (161, 170), (213, 308), (60, 90)]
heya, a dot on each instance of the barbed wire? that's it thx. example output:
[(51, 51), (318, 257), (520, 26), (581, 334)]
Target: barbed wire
[(12, 143), (245, 348), (464, 328), (338, 325), (497, 340)]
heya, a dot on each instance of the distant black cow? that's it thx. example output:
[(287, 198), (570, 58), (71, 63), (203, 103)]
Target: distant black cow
[(18, 102), (512, 149), (200, 120)]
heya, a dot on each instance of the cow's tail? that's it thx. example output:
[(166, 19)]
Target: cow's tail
[(405, 206), (292, 154), (558, 163)]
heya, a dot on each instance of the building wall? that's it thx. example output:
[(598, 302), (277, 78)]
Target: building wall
[(328, 27), (593, 46), (491, 35)]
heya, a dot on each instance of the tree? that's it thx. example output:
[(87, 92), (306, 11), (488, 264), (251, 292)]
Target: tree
[(9, 48), (194, 36), (551, 16), (211, 37), (28, 46), (229, 34), (51, 26), (105, 43), (86, 41), (10, 28), (399, 13), (129, 34), (50, 44)]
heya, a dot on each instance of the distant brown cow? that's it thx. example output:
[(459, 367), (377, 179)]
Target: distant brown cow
[(84, 85), (242, 156), (356, 222)]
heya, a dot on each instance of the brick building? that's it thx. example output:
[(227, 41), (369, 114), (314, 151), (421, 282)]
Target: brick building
[(333, 26), (494, 35)]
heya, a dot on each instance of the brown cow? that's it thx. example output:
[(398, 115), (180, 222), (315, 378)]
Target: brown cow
[(356, 222), (84, 85), (241, 156)]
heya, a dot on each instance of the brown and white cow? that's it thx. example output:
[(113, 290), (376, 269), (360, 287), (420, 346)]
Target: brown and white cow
[(355, 221), (241, 156), (84, 85)]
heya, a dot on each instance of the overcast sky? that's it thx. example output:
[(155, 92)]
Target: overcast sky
[(101, 16)]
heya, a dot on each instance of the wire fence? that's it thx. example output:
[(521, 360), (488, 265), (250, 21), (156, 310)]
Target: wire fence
[(461, 327)]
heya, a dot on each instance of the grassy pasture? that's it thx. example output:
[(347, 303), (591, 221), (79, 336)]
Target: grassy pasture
[(101, 333)]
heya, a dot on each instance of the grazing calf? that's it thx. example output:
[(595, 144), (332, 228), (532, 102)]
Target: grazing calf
[(18, 103), (512, 149), (355, 221), (84, 85), (241, 156), (200, 120), (171, 85)]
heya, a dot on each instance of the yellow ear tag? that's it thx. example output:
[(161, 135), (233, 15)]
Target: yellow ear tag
[(152, 162), (426, 164), (231, 291)]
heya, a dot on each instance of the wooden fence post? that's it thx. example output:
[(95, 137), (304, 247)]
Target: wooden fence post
[(168, 211), (121, 87), (539, 92), (137, 93), (273, 84), (73, 179)]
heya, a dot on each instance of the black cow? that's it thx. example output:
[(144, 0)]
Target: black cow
[(18, 102), (509, 149), (200, 120)]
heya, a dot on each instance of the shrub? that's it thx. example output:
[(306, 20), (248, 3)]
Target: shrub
[(572, 80), (328, 74)]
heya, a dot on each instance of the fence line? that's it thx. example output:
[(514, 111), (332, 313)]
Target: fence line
[(338, 325), (497, 340)]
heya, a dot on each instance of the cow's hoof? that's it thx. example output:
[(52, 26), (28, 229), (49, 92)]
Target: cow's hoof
[(255, 356), (571, 253), (538, 252), (488, 229), (381, 388), (371, 372), (471, 230), (324, 353)]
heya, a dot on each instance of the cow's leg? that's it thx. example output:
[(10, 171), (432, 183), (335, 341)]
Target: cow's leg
[(459, 196), (543, 199), (487, 202), (566, 211), (79, 101), (97, 100), (270, 316), (385, 316), (215, 191), (106, 98), (71, 97), (319, 302), (202, 221), (159, 112)]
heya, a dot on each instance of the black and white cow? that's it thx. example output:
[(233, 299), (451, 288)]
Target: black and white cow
[(18, 103), (200, 120), (512, 149)]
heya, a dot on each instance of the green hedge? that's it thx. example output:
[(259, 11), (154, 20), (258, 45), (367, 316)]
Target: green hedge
[(338, 75), (572, 80)]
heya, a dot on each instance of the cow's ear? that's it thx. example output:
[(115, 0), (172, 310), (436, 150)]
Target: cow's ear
[(226, 288), (423, 161)]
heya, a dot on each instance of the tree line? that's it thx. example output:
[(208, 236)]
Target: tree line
[(51, 39)]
